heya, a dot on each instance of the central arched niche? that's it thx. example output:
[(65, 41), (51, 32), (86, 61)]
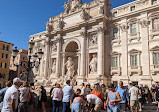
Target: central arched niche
[(72, 47), (71, 50)]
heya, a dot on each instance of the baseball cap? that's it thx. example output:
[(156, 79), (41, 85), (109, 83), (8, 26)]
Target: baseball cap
[(16, 80)]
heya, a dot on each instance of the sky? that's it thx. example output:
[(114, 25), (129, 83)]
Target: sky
[(21, 18)]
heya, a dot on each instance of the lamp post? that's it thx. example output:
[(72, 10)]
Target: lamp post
[(30, 64)]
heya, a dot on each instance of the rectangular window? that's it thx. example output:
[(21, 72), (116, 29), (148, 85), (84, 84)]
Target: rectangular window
[(4, 56), (154, 2), (156, 24), (3, 65), (132, 8), (156, 58), (133, 29), (115, 33), (115, 14), (5, 47), (115, 61), (133, 61)]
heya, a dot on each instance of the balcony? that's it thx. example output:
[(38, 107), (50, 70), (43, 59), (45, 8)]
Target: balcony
[(116, 70), (135, 70), (154, 69)]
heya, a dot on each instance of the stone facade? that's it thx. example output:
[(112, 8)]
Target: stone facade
[(90, 42)]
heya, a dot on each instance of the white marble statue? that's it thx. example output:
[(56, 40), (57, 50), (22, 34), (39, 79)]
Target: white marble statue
[(70, 68), (93, 64), (54, 66)]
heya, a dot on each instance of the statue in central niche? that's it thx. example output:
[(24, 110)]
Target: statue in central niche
[(70, 68), (93, 64)]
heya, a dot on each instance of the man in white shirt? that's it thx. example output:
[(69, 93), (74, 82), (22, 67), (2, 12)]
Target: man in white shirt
[(94, 100), (134, 92), (10, 101), (83, 90)]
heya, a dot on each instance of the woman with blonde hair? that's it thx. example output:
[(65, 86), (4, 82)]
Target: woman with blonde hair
[(57, 95), (97, 91)]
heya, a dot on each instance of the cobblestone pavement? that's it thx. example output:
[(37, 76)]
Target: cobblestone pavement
[(147, 108)]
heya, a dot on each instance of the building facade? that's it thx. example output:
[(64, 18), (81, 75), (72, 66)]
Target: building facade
[(16, 71), (94, 43), (5, 55)]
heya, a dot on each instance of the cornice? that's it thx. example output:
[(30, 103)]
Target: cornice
[(135, 12)]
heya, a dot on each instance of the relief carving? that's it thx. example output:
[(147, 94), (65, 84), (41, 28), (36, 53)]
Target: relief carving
[(54, 47), (144, 23), (49, 27), (93, 40)]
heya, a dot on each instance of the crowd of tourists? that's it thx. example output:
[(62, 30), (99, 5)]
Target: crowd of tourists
[(18, 96)]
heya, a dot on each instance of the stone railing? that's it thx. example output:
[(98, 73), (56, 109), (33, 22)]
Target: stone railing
[(135, 70), (116, 70)]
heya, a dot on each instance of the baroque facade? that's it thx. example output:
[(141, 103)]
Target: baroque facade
[(94, 43)]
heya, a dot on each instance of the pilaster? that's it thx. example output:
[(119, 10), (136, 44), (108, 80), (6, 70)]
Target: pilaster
[(100, 62), (124, 49)]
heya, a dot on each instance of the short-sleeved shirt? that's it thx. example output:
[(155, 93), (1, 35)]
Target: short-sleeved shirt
[(24, 94), (11, 93), (83, 91), (78, 99), (57, 94), (93, 99), (67, 93), (134, 91)]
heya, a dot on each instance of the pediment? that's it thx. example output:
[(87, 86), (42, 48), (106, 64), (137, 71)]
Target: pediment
[(115, 53), (156, 48), (134, 51), (154, 14)]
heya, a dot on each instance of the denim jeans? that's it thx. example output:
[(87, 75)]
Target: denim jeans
[(76, 107), (55, 105), (66, 107)]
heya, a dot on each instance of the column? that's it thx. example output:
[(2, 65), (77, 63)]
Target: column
[(83, 53), (47, 55), (63, 63), (58, 55), (124, 49), (100, 56), (79, 63)]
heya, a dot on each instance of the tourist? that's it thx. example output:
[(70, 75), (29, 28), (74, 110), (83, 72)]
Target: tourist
[(43, 98), (113, 99), (134, 92), (157, 95), (3, 91), (97, 91), (10, 101), (124, 97), (23, 99), (88, 89), (57, 95), (140, 99), (153, 91), (78, 104), (142, 94), (147, 94), (67, 93), (93, 100), (77, 93), (104, 91), (83, 90)]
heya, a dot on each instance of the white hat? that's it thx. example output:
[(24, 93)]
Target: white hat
[(16, 80)]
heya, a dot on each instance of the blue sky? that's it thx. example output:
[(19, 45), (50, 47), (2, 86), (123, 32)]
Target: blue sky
[(21, 18)]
